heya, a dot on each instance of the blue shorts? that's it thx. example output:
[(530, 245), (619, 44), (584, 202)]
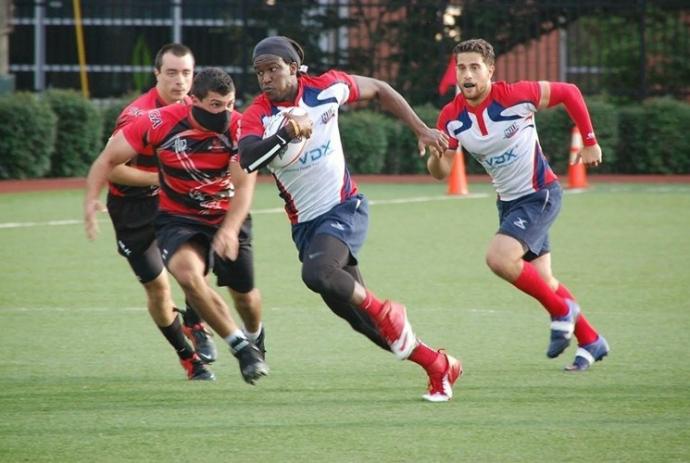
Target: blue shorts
[(529, 218), (347, 221)]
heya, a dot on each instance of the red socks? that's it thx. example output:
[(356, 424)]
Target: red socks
[(371, 304), (584, 332), (424, 355), (532, 283)]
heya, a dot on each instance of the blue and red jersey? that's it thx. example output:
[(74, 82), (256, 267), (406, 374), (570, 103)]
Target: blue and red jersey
[(501, 134), (319, 179)]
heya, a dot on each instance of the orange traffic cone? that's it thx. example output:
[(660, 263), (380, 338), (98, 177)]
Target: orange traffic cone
[(577, 173), (457, 180)]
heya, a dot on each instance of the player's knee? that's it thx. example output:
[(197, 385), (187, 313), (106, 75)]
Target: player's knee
[(315, 277), (190, 281), (319, 277), (493, 261), (248, 300), (500, 264), (158, 289)]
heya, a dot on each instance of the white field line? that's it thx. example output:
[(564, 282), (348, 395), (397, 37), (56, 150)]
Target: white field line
[(15, 310), (275, 210)]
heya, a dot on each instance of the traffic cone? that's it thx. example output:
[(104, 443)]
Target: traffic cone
[(457, 180), (577, 172)]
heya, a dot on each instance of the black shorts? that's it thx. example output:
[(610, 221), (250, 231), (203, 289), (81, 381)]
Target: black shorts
[(135, 234), (173, 231)]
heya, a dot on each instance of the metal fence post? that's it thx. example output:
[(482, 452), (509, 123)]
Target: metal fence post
[(176, 11), (643, 49), (562, 54), (39, 45)]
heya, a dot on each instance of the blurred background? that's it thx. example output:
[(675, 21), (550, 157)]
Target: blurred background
[(626, 48), (630, 58)]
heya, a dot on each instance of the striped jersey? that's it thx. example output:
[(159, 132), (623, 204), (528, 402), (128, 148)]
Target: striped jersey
[(501, 134), (319, 179), (193, 162), (145, 159)]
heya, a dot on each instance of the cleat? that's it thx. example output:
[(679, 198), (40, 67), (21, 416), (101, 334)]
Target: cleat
[(588, 354), (393, 325), (562, 329), (252, 365), (196, 370), (442, 376), (202, 342)]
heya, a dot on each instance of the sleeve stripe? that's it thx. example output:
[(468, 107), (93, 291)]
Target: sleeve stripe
[(256, 164)]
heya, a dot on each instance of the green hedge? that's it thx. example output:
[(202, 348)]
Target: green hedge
[(365, 140), (78, 133), (27, 136), (110, 113), (635, 139), (655, 138), (403, 155)]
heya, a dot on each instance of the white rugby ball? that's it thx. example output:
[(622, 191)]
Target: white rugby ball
[(291, 152)]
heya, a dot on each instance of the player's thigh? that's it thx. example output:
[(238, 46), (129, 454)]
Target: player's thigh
[(147, 265), (504, 248), (188, 264)]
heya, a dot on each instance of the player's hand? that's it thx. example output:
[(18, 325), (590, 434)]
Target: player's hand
[(436, 140), (226, 244), (433, 152), (91, 209), (590, 155), (303, 125)]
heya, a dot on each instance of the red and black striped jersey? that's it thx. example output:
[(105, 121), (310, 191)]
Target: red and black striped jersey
[(193, 162), (145, 159)]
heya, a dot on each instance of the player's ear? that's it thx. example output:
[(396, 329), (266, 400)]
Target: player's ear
[(294, 67), (491, 70)]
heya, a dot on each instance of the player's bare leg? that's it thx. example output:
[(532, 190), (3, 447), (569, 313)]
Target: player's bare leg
[(188, 266), (160, 307)]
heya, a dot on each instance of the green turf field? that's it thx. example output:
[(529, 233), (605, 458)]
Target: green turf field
[(85, 375)]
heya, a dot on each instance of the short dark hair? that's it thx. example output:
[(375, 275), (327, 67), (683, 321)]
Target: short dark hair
[(176, 49), (480, 46), (212, 80)]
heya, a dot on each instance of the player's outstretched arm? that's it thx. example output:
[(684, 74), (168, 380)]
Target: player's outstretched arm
[(393, 102), (117, 151), (569, 95)]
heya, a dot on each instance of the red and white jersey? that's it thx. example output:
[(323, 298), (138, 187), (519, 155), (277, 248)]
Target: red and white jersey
[(501, 135), (319, 179)]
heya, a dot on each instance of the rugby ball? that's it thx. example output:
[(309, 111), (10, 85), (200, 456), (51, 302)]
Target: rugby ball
[(291, 152)]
